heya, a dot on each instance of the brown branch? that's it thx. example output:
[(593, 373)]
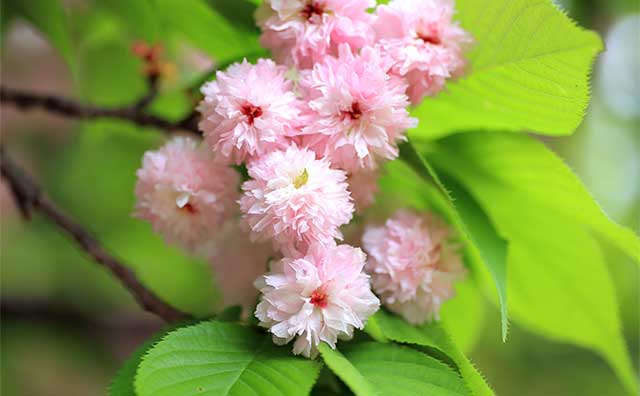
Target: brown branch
[(30, 198), (73, 109), (152, 92)]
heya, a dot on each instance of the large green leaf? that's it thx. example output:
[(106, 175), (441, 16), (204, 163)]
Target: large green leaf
[(206, 28), (385, 326), (48, 17), (138, 15), (463, 316), (346, 371), (529, 70), (504, 171), (482, 240), (558, 283), (216, 358), (377, 369)]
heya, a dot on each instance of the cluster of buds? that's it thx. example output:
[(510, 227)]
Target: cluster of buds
[(313, 128), (153, 64)]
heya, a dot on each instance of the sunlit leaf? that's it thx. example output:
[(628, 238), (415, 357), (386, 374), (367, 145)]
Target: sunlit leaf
[(558, 283), (529, 70), (481, 236), (385, 326), (377, 369)]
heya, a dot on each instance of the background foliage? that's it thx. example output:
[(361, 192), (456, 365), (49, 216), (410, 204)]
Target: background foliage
[(546, 262)]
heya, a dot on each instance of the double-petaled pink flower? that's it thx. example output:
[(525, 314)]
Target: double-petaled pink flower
[(425, 44), (413, 264), (302, 32), (356, 112), (248, 111), (184, 193), (316, 298), (295, 200)]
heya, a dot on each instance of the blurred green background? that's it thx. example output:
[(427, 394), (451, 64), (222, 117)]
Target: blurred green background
[(67, 326)]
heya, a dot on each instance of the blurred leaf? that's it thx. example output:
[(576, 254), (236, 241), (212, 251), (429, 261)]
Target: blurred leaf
[(49, 18), (6, 16), (40, 356), (231, 313), (558, 283), (104, 161), (240, 13), (471, 220), (371, 368), (110, 74), (185, 282), (223, 359), (138, 15), (386, 326), (529, 70), (206, 28), (39, 263)]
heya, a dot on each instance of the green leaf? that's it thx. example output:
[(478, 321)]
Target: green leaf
[(529, 70), (109, 73), (223, 359), (504, 171), (558, 283), (206, 28), (380, 369), (481, 237), (463, 316), (346, 371), (385, 326), (48, 17), (240, 13), (138, 16)]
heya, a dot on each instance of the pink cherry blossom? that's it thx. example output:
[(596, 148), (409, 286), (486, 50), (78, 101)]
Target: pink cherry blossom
[(319, 297), (425, 44), (184, 193), (237, 262), (248, 110), (363, 186), (357, 112), (295, 199), (302, 32), (412, 264)]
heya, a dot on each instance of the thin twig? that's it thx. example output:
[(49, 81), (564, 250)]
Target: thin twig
[(71, 108), (152, 92), (30, 198)]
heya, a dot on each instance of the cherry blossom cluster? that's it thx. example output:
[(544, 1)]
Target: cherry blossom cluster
[(313, 128)]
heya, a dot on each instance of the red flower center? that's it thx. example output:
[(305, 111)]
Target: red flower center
[(355, 112), (312, 9), (319, 298), (189, 208), (430, 37), (252, 112)]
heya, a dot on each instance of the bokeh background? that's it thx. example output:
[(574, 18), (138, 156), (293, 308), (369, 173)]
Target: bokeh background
[(67, 325)]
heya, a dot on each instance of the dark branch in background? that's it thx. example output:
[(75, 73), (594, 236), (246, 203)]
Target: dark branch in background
[(73, 109), (142, 103), (29, 198)]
